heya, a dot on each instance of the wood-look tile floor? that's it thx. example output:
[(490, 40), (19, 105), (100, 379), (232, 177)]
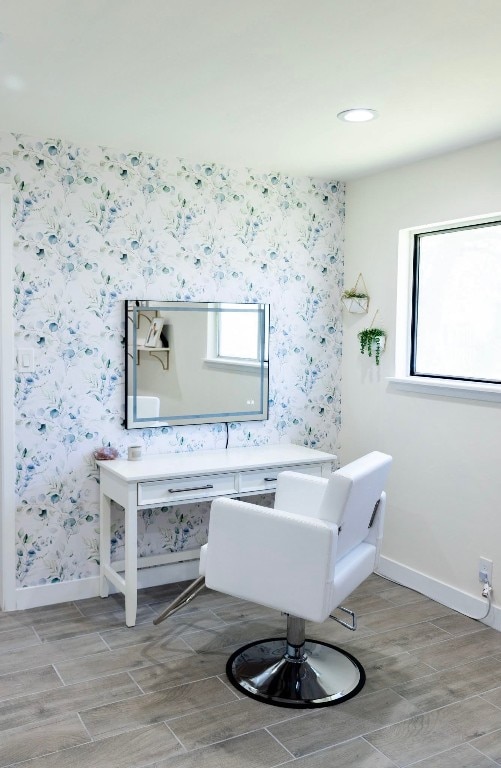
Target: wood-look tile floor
[(78, 689)]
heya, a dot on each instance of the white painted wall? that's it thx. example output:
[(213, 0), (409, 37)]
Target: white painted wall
[(444, 508)]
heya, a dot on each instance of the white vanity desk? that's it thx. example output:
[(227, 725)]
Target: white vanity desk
[(180, 478)]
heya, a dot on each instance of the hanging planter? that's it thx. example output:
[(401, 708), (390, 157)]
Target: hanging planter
[(372, 340), (356, 299)]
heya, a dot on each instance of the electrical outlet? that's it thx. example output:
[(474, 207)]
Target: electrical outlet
[(485, 570)]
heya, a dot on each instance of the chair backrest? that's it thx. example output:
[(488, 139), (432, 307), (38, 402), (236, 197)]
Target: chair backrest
[(351, 496), (147, 407)]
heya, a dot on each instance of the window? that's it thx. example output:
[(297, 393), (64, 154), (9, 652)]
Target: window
[(449, 308), (238, 334), (456, 317)]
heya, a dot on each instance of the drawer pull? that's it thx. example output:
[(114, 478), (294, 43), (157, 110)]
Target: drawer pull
[(195, 488), (270, 479)]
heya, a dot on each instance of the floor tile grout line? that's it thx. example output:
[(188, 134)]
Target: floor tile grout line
[(15, 628), (78, 608), (28, 669), (434, 672), (57, 673), (45, 755), (444, 752), (241, 622), (239, 735), (472, 745), (394, 608), (136, 683), (434, 643), (19, 696), (37, 638), (76, 746), (394, 604), (480, 626), (429, 620), (176, 718), (186, 750), (374, 634), (483, 694), (106, 643), (37, 665), (66, 687), (427, 712), (462, 663), (141, 693), (242, 700), (227, 685), (110, 673), (85, 727), (188, 682), (343, 742), (278, 740), (380, 752)]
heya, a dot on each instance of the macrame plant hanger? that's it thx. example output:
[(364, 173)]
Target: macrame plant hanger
[(376, 313)]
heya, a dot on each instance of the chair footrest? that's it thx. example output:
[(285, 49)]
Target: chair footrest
[(351, 626)]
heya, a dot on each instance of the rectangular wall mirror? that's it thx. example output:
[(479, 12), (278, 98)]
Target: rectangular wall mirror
[(195, 363)]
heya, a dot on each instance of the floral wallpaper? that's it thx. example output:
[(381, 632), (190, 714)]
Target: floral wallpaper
[(92, 227)]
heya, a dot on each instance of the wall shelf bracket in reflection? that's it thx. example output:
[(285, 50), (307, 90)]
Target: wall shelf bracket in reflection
[(160, 353)]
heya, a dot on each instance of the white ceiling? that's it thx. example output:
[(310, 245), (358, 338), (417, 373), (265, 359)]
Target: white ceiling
[(255, 83)]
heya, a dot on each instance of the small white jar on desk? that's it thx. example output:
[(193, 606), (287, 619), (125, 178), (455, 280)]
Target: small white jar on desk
[(134, 453)]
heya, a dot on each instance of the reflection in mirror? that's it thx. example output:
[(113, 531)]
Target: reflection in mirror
[(195, 363)]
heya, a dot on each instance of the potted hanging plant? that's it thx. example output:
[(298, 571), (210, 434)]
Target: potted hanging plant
[(356, 299), (373, 340)]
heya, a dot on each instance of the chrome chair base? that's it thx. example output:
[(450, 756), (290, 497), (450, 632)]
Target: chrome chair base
[(291, 671), (320, 676)]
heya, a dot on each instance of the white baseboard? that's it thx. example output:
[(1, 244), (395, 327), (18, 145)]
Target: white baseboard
[(472, 606), (67, 591)]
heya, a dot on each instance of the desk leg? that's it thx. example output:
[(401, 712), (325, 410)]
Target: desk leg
[(131, 563), (104, 542)]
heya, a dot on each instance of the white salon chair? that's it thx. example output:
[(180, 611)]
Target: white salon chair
[(304, 557), (147, 407)]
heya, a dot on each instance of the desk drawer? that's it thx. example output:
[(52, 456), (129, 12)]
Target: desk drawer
[(185, 489), (266, 479)]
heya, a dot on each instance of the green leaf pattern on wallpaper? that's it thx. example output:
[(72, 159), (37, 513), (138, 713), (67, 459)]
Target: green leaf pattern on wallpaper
[(93, 227)]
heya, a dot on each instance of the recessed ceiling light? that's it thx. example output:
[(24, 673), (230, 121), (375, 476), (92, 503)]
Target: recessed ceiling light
[(14, 83), (358, 115)]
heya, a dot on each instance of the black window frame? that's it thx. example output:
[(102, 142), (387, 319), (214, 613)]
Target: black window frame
[(418, 236)]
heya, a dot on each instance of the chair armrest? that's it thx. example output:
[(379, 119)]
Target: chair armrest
[(375, 536), (299, 493), (271, 557)]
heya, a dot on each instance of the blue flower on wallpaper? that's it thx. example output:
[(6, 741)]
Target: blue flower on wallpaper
[(94, 227)]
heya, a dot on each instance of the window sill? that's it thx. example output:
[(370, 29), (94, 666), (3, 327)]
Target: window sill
[(234, 364), (466, 390)]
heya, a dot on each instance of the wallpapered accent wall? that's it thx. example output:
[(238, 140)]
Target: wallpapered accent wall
[(95, 226)]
